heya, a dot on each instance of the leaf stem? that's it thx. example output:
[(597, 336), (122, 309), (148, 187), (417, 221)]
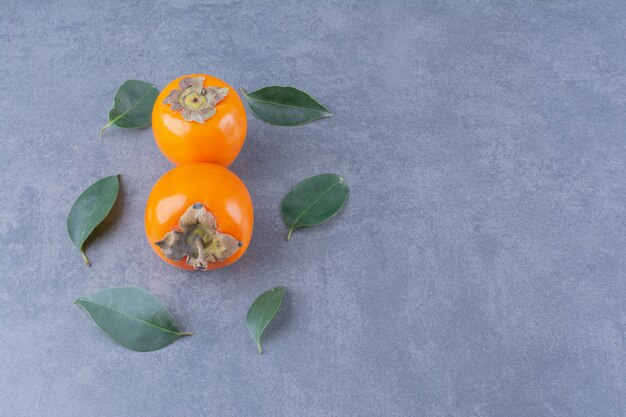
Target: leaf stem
[(243, 91), (289, 233), (109, 124), (258, 345), (85, 258), (185, 334)]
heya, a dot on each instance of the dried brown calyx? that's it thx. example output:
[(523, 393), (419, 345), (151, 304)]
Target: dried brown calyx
[(197, 239), (197, 103)]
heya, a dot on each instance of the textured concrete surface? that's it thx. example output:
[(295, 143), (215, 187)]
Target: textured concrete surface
[(478, 268)]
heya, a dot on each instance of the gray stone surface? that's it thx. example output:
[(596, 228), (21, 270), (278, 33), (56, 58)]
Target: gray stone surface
[(478, 268)]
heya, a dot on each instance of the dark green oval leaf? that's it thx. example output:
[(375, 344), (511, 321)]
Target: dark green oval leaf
[(313, 201), (132, 105), (262, 311), (90, 209), (284, 106), (133, 317)]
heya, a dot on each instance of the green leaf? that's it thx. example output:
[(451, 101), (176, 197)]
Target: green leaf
[(313, 201), (262, 311), (284, 106), (132, 105), (90, 209), (134, 318)]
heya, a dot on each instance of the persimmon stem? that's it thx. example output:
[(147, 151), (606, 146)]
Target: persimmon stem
[(198, 239), (200, 248)]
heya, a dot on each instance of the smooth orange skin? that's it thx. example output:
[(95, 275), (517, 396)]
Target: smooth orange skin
[(217, 140), (221, 192)]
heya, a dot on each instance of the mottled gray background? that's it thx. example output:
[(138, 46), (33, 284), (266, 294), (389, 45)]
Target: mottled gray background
[(478, 268)]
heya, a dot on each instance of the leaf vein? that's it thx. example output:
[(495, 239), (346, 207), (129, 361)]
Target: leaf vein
[(259, 329), (131, 316), (89, 220), (313, 203), (135, 105), (325, 111)]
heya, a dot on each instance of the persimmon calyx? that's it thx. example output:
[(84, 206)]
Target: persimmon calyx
[(197, 103), (197, 239)]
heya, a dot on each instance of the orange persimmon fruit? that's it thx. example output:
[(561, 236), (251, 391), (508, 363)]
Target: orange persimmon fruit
[(199, 216), (199, 118)]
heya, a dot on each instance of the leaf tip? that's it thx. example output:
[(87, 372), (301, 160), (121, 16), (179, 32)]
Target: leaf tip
[(79, 303)]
